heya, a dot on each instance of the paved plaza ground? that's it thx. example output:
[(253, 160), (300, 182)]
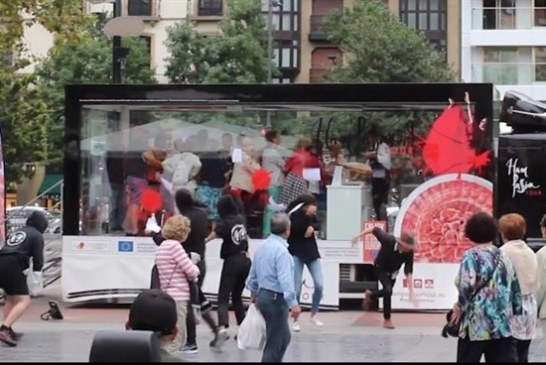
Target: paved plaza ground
[(347, 336)]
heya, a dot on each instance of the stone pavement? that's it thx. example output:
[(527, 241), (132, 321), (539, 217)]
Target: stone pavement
[(348, 336)]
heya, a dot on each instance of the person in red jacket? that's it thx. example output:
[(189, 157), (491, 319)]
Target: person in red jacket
[(302, 158)]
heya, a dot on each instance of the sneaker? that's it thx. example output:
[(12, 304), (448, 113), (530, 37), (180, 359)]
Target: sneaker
[(296, 326), (316, 321), (220, 338), (7, 338), (190, 349), (16, 335)]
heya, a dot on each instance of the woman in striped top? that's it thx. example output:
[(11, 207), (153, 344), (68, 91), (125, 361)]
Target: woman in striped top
[(175, 269)]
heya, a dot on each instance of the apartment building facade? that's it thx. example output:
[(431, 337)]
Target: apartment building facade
[(303, 53), (504, 42)]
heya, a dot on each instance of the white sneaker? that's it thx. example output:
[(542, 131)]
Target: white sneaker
[(316, 321), (296, 327)]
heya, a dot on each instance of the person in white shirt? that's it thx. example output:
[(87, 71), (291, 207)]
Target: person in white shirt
[(541, 293), (513, 229), (273, 162)]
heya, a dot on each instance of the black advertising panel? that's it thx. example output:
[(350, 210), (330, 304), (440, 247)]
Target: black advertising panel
[(521, 179)]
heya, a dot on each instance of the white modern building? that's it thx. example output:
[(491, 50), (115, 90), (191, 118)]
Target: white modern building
[(504, 42)]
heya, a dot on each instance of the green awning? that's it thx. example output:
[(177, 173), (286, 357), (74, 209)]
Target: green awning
[(49, 181)]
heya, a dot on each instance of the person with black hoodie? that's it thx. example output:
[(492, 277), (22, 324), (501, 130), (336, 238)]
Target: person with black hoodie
[(302, 244), (231, 228), (15, 256), (196, 212)]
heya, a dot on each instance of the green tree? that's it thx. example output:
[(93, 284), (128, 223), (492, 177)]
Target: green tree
[(378, 47), (24, 117), (87, 62), (238, 54)]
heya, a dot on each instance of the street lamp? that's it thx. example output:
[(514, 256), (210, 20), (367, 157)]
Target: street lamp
[(117, 27), (270, 5)]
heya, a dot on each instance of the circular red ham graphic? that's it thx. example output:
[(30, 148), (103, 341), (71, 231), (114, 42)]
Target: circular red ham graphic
[(436, 213)]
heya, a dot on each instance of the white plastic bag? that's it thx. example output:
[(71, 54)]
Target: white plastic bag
[(35, 283), (252, 333)]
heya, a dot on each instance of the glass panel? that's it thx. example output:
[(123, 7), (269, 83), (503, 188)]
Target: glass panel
[(423, 21), (287, 5), (508, 55), (412, 20), (127, 172), (286, 22), (540, 63), (434, 21), (491, 54), (412, 4), (540, 13), (285, 57), (423, 5), (435, 5)]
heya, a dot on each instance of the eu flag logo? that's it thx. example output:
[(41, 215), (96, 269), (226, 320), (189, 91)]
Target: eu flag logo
[(125, 246)]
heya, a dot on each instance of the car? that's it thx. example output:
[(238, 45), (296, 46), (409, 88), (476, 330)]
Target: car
[(16, 217)]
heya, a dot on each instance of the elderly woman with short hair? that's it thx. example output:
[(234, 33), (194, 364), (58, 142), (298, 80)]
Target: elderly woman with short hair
[(489, 296), (513, 229), (175, 269)]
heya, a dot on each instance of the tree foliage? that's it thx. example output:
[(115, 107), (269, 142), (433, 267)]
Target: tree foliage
[(24, 120), (24, 117), (238, 54), (378, 47), (87, 62)]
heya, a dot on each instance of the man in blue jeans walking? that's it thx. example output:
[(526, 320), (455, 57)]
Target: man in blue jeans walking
[(271, 283)]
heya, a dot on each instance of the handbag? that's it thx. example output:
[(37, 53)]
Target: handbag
[(155, 283), (452, 329)]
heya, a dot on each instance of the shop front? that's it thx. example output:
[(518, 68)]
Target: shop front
[(405, 157)]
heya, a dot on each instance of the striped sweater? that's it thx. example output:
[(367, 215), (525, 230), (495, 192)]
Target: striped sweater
[(175, 269)]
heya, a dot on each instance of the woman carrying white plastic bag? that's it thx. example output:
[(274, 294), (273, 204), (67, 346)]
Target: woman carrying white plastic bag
[(252, 331)]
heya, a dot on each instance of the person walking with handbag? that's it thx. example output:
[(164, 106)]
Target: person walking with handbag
[(175, 268), (513, 229), (489, 295), (271, 285)]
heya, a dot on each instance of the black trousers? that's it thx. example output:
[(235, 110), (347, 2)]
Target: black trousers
[(502, 350), (522, 348), (232, 283), (387, 284), (197, 296)]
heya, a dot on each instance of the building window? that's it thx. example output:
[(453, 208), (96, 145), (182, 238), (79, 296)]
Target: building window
[(286, 35), (540, 64), (210, 8), (139, 7), (428, 16), (499, 14), (500, 65), (540, 13)]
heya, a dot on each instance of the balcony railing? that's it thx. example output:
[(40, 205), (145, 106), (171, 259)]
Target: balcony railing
[(509, 73), (508, 18), (317, 22)]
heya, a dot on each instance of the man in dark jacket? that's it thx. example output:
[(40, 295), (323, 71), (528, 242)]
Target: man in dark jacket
[(15, 256)]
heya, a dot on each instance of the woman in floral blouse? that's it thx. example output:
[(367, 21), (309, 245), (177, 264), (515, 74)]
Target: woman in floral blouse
[(489, 295), (512, 228)]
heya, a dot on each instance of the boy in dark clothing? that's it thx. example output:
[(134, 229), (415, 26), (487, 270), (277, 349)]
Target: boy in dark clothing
[(15, 256), (393, 253)]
